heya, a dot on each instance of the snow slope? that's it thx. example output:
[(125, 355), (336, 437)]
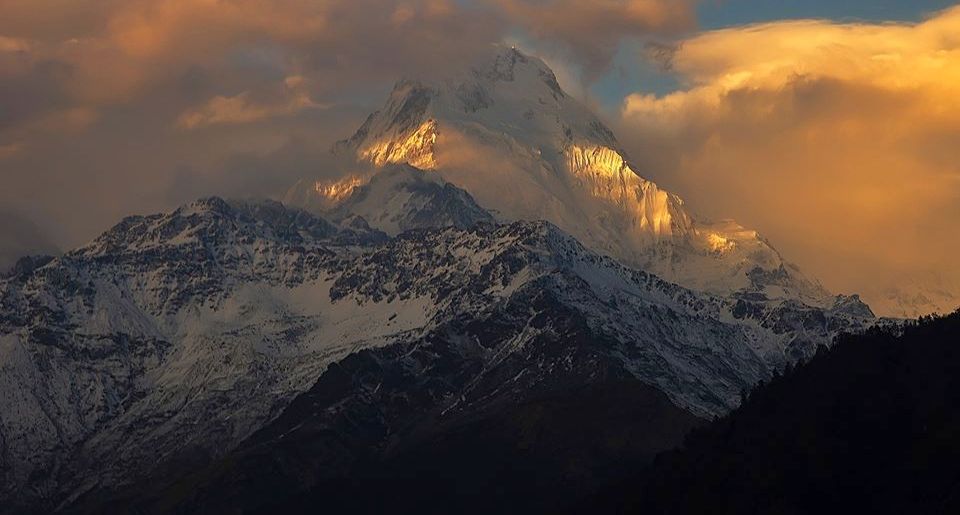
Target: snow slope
[(400, 198)]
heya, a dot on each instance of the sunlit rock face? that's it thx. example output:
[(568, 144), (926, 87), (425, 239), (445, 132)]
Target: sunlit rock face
[(415, 149), (504, 130), (335, 191), (649, 211)]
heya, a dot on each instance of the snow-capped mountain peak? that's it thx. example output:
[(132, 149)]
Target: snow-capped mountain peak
[(506, 132)]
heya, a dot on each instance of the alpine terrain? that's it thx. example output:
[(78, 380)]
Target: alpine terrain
[(250, 355)]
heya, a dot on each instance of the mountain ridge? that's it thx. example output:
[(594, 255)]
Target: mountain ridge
[(190, 330)]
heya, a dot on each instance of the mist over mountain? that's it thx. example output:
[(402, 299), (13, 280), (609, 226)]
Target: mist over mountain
[(504, 130), (19, 238), (916, 295)]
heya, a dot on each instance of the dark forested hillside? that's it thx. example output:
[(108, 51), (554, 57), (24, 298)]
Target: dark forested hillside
[(870, 426), (537, 456)]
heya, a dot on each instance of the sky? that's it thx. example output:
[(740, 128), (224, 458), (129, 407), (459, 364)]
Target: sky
[(830, 126), (714, 14), (629, 75)]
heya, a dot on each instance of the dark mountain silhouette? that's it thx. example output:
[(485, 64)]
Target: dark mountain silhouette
[(536, 456)]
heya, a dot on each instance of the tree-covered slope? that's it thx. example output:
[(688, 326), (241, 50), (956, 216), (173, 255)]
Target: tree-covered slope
[(870, 426)]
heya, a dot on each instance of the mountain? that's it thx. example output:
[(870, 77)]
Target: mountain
[(917, 295), (168, 332), (401, 198), (867, 427), (505, 131), (172, 339)]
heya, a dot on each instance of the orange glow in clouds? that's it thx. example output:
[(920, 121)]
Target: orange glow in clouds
[(838, 141)]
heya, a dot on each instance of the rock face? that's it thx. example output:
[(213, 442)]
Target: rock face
[(172, 338), (504, 130)]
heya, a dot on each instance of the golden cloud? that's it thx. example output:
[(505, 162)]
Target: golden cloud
[(119, 52), (89, 92), (840, 141), (116, 51), (244, 108), (10, 149)]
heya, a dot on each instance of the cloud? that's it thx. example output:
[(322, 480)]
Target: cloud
[(590, 32), (10, 149), (115, 107), (141, 42), (20, 237), (13, 45), (837, 140), (245, 108), (62, 55), (122, 106)]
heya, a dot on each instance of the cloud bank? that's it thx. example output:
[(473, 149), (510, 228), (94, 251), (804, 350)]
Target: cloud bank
[(838, 140)]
